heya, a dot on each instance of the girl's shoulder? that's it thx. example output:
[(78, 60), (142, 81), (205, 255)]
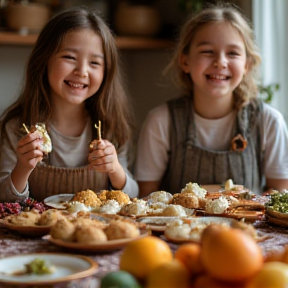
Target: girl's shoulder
[(158, 113), (269, 110), (13, 125)]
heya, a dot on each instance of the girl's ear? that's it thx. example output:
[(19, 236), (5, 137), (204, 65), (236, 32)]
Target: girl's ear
[(248, 66), (183, 62)]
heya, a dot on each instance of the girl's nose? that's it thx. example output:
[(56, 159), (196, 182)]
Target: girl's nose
[(220, 62), (81, 71)]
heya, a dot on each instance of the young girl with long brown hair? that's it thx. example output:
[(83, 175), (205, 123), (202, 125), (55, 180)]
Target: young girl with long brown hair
[(73, 81)]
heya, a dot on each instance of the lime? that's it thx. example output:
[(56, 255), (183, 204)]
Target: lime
[(119, 279)]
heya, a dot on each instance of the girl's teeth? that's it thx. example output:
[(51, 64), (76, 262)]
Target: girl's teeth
[(218, 77), (76, 85)]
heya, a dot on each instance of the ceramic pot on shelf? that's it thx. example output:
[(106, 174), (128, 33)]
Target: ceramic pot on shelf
[(26, 17), (137, 20)]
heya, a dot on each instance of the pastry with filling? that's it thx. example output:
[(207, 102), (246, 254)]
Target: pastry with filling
[(187, 200), (90, 235), (138, 207), (160, 196), (63, 229), (49, 217), (24, 218), (118, 195), (121, 230), (174, 210), (46, 146), (195, 189)]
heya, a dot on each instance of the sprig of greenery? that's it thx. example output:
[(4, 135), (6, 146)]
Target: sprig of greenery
[(267, 92)]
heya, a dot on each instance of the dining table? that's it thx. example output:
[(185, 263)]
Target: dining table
[(272, 238)]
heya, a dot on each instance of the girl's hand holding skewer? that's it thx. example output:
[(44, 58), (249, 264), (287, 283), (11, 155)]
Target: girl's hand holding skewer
[(28, 151), (104, 157)]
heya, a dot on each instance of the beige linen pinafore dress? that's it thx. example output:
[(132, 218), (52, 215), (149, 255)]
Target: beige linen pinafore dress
[(190, 163)]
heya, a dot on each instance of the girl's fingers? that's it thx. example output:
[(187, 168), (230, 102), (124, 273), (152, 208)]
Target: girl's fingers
[(30, 147), (28, 138)]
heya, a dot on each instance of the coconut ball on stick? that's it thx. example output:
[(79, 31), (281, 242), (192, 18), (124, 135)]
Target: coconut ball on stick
[(46, 146)]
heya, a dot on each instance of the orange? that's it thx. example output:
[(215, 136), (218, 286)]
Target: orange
[(230, 254), (276, 256), (189, 255), (141, 256), (272, 275), (171, 274), (206, 281), (284, 255)]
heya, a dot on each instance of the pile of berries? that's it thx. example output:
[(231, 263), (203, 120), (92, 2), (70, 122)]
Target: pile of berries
[(23, 205)]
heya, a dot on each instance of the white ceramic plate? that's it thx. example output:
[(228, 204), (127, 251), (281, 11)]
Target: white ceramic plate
[(58, 201), (157, 223), (67, 268), (109, 245)]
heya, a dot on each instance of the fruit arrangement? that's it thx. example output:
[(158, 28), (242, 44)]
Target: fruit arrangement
[(28, 204), (225, 258)]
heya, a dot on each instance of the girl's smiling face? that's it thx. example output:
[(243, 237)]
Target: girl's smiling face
[(216, 61), (76, 70)]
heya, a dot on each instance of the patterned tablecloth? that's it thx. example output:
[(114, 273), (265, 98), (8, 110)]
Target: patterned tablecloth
[(12, 244)]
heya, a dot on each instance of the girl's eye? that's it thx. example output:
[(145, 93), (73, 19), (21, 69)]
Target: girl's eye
[(95, 63), (69, 57), (234, 53), (206, 52)]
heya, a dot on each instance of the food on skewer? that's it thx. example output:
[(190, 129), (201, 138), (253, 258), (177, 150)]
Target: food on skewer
[(93, 144), (46, 146)]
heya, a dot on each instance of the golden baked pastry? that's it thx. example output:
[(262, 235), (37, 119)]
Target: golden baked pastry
[(174, 210), (90, 235), (121, 229), (84, 221), (24, 218), (63, 229), (118, 195), (87, 197), (187, 200), (49, 217)]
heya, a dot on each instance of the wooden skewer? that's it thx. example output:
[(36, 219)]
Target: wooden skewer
[(26, 128), (98, 130)]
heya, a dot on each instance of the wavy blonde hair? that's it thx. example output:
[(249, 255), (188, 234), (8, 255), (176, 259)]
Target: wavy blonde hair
[(248, 87)]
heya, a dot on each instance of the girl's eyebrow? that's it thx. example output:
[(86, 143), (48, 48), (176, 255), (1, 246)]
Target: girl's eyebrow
[(203, 43), (234, 46), (75, 51)]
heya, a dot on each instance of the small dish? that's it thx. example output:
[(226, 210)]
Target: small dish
[(275, 220), (34, 231), (58, 201), (157, 223), (276, 214), (110, 245), (67, 268)]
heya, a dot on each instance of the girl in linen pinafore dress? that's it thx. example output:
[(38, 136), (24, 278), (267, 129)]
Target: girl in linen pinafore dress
[(191, 163)]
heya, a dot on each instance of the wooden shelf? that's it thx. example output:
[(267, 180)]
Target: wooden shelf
[(129, 43)]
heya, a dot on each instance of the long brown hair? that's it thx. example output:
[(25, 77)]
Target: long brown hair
[(109, 104), (215, 13)]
